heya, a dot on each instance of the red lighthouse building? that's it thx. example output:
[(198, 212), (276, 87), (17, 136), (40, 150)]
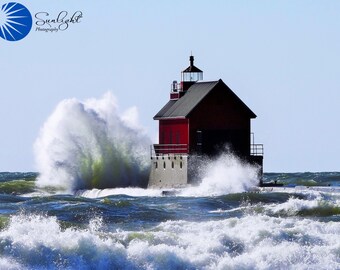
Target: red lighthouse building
[(200, 119)]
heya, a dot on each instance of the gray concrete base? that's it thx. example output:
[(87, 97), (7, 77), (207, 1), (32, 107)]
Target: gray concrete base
[(168, 171)]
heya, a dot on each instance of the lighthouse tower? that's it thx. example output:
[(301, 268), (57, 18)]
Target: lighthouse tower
[(200, 119)]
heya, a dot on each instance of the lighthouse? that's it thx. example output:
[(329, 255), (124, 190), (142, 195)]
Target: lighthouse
[(200, 119)]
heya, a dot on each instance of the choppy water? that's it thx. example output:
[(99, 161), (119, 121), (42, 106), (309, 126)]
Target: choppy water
[(74, 216), (131, 228)]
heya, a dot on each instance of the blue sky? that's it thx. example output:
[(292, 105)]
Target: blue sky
[(280, 57)]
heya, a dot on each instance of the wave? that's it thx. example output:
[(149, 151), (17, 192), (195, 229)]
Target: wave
[(89, 144), (249, 242), (224, 175), (305, 178), (135, 192), (17, 187), (317, 207), (9, 176)]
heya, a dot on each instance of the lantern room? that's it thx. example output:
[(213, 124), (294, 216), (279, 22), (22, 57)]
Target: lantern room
[(191, 75)]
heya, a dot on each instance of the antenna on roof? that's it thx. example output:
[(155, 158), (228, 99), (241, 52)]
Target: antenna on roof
[(191, 61)]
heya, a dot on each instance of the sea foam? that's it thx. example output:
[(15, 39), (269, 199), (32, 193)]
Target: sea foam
[(249, 242)]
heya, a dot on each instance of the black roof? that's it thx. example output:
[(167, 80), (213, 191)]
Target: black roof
[(182, 107), (192, 68)]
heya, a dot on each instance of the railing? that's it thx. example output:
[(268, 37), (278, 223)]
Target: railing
[(176, 87), (256, 150), (177, 149), (164, 149)]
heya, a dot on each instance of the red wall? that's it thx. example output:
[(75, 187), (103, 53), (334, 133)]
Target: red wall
[(174, 131), (218, 111)]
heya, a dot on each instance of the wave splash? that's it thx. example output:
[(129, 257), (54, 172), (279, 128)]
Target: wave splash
[(224, 175), (85, 145)]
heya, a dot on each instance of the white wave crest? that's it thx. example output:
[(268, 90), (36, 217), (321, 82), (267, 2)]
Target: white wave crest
[(249, 242), (89, 145), (135, 192), (224, 175)]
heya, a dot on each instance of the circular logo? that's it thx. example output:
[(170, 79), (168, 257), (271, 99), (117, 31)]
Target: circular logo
[(15, 21)]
